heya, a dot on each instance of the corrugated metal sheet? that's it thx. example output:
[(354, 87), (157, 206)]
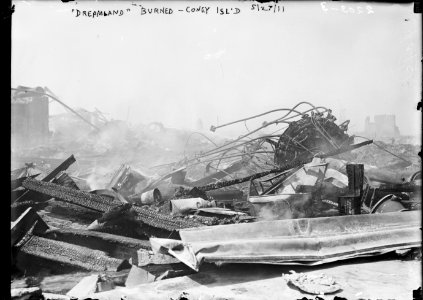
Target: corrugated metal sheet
[(308, 241)]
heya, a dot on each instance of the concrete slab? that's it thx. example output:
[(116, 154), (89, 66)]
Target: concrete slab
[(372, 278)]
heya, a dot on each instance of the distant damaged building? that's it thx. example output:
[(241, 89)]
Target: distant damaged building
[(29, 116), (384, 126)]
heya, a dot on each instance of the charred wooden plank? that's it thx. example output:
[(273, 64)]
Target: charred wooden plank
[(62, 167), (101, 204), (16, 209), (15, 183), (15, 194), (114, 245), (73, 196), (73, 212), (25, 221), (72, 255), (162, 221)]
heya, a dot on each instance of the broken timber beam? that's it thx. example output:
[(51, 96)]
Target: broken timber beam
[(114, 245), (62, 167), (25, 221), (70, 195), (72, 255), (16, 183), (104, 205), (162, 221)]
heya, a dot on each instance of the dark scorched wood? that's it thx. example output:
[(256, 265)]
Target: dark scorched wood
[(70, 254), (62, 167), (114, 245), (68, 234), (162, 221), (78, 197), (104, 205)]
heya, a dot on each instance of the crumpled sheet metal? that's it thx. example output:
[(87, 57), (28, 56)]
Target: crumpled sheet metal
[(309, 241)]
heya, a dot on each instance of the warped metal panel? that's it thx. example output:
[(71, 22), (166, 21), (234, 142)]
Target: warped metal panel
[(308, 241)]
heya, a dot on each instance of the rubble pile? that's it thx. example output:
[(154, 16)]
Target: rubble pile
[(133, 205)]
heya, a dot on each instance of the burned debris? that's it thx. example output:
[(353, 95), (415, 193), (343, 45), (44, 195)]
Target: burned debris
[(312, 134), (308, 195)]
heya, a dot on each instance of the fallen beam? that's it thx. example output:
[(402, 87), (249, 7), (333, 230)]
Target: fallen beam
[(158, 220), (114, 245), (71, 211), (25, 221), (73, 196), (62, 167), (15, 194), (15, 183), (72, 255), (104, 205)]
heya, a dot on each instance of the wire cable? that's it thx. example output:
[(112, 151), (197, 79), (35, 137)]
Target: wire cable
[(384, 149)]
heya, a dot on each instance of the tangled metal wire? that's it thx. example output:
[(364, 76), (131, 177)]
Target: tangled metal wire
[(257, 150)]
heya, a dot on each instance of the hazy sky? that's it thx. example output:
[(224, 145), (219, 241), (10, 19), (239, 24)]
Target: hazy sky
[(181, 67)]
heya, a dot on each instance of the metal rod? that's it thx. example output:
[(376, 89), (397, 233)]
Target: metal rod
[(265, 113)]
